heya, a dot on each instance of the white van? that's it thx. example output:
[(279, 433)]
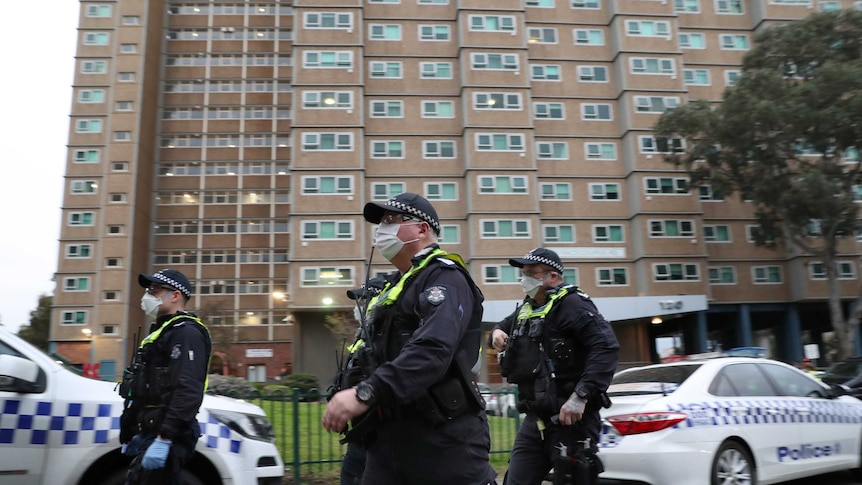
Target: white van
[(57, 427)]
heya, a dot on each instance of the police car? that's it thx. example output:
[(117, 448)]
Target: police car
[(726, 420), (57, 427)]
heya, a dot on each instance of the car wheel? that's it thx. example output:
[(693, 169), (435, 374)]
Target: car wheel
[(733, 465)]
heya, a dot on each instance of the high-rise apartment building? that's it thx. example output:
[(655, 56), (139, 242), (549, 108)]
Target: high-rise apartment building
[(237, 142)]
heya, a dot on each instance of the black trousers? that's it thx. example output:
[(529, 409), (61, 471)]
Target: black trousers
[(353, 464), (179, 454), (411, 452), (534, 451)]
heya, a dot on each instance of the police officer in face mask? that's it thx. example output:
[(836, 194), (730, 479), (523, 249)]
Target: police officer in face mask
[(164, 387), (424, 338), (562, 354)]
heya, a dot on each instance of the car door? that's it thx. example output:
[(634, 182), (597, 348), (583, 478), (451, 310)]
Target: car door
[(829, 428), (22, 444)]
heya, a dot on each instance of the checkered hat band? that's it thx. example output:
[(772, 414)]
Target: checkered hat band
[(414, 211), (539, 259), (173, 283)]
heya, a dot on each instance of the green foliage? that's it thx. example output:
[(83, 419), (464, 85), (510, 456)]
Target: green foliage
[(306, 383), (231, 386), (38, 331)]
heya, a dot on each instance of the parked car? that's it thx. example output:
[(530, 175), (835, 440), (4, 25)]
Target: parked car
[(848, 373), (727, 420), (499, 401)]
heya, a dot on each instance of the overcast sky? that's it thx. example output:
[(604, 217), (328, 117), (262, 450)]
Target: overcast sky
[(38, 48)]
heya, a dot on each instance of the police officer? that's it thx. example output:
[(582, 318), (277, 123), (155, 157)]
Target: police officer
[(562, 354), (165, 385), (425, 334)]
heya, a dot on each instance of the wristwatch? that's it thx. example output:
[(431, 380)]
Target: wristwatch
[(365, 393)]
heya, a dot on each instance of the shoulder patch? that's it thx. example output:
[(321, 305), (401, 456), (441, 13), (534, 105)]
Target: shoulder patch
[(176, 351), (582, 294), (435, 295), (446, 261)]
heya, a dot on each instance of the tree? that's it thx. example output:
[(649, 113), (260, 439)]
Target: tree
[(38, 331), (343, 327), (785, 137)]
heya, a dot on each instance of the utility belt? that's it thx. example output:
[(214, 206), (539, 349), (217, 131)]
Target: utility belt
[(442, 402)]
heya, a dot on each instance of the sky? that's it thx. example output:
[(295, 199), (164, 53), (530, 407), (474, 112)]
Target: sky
[(38, 47)]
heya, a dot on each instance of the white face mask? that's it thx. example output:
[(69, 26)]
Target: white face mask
[(387, 242), (531, 285), (150, 304)]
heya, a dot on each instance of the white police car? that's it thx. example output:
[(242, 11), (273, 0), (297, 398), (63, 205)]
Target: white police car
[(726, 420), (57, 427)]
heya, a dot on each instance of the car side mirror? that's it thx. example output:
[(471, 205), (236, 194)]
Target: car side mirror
[(17, 374)]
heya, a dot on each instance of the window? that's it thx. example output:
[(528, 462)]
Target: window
[(492, 23), (122, 136), (686, 6), (384, 32), (499, 142), (433, 2), (607, 233), (120, 167), (556, 191), (596, 112), (435, 70), (387, 149), (91, 96), (505, 228), (327, 141), (131, 20), (504, 101), (604, 191), (716, 233), (733, 41), (549, 111), (74, 318), (81, 218), (536, 35), (328, 20), (655, 104), (496, 274), (558, 233), (387, 109), (96, 38), (666, 185), (830, 6), (647, 28), (731, 76), (705, 193), (386, 191), (88, 126), (612, 277), (540, 3), (128, 48), (586, 4), (327, 185), (76, 284), (113, 262), (116, 229), (389, 70), (327, 276), (696, 77), (435, 33), (126, 77), (671, 228), (729, 7), (675, 272), (545, 72), (721, 275), (441, 191), (600, 151), (94, 67), (502, 184), (98, 11), (497, 62), (438, 109), (649, 144), (846, 270), (652, 65), (327, 99), (692, 41), (125, 106), (449, 233), (327, 230), (86, 156), (754, 232), (78, 251), (84, 186), (327, 59), (589, 37), (553, 150), (762, 275), (596, 74), (438, 149)]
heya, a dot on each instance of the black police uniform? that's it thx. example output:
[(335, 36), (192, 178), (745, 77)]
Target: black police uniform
[(579, 346), (424, 340), (164, 395)]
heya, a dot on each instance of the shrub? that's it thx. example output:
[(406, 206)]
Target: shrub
[(304, 382), (231, 386)]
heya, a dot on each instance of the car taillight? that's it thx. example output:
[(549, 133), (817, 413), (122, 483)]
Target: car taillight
[(628, 424)]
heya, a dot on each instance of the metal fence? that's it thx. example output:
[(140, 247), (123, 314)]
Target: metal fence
[(310, 453)]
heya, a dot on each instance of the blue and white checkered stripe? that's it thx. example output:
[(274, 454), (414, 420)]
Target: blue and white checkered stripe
[(39, 423), (218, 436)]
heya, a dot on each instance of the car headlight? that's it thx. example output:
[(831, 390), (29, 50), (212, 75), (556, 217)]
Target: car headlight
[(249, 425)]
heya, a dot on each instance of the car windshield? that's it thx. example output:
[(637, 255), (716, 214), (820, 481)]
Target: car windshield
[(651, 380), (845, 369)]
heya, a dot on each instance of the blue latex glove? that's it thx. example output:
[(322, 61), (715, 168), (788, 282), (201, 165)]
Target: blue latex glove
[(156, 454)]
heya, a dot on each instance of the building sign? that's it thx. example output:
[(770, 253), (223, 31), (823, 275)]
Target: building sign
[(258, 353)]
